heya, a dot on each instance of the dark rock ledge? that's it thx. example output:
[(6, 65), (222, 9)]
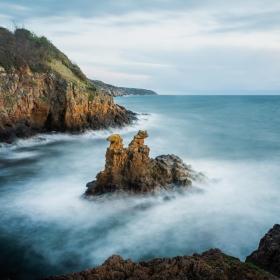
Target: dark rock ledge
[(267, 256), (131, 170), (210, 265)]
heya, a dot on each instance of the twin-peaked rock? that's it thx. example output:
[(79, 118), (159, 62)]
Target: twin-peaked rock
[(132, 170)]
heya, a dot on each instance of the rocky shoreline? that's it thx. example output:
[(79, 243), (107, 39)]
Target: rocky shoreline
[(212, 264), (33, 103), (131, 170)]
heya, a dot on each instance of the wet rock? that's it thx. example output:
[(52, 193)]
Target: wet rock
[(212, 264), (131, 169), (267, 256)]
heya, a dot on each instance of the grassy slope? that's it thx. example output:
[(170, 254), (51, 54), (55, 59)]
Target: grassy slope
[(23, 48)]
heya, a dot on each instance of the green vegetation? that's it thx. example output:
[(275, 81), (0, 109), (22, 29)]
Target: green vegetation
[(64, 71), (44, 98), (9, 101), (91, 96), (23, 48)]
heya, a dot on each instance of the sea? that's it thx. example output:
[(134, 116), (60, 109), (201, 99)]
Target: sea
[(47, 227)]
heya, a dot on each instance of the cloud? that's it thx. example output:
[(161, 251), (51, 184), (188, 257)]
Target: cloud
[(262, 21), (13, 7), (173, 46)]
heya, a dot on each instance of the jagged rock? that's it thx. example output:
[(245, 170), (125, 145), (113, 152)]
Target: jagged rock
[(211, 265), (267, 256), (132, 170)]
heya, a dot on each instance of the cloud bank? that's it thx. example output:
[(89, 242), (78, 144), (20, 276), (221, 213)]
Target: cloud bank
[(169, 46)]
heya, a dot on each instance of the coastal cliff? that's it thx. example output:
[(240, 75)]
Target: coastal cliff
[(41, 90), (212, 264), (40, 102), (131, 170)]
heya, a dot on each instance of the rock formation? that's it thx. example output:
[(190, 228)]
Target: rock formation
[(132, 170), (212, 264), (42, 90), (41, 102), (267, 256)]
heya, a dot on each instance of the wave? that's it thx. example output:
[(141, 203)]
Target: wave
[(42, 205)]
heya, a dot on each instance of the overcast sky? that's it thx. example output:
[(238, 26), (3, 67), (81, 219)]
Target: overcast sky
[(172, 46)]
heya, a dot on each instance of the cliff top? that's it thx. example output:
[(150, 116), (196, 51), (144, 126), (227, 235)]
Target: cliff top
[(22, 48)]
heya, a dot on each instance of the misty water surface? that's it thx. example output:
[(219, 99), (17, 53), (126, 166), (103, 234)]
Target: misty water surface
[(47, 227)]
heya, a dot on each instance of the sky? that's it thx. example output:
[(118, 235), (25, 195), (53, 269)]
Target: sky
[(171, 46)]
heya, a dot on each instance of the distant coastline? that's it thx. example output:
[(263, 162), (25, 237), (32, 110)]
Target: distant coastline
[(121, 91)]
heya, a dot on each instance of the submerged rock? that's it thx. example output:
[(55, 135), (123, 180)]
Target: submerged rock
[(132, 170), (212, 264), (267, 256)]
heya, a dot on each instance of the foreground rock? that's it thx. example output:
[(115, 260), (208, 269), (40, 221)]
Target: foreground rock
[(131, 169), (41, 90), (267, 256), (212, 264)]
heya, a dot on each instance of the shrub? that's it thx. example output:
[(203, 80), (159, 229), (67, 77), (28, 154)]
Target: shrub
[(23, 48)]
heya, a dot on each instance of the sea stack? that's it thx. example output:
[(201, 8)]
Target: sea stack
[(131, 170)]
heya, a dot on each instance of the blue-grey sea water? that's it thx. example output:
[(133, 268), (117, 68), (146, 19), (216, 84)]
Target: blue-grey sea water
[(46, 227)]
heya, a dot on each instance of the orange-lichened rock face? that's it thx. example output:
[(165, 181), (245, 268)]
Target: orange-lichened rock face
[(132, 170), (40, 102)]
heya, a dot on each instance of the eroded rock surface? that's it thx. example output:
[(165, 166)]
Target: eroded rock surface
[(267, 256), (40, 102), (211, 265), (132, 170)]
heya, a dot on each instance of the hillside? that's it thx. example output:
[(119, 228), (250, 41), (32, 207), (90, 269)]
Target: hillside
[(41, 90), (120, 91), (23, 48)]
